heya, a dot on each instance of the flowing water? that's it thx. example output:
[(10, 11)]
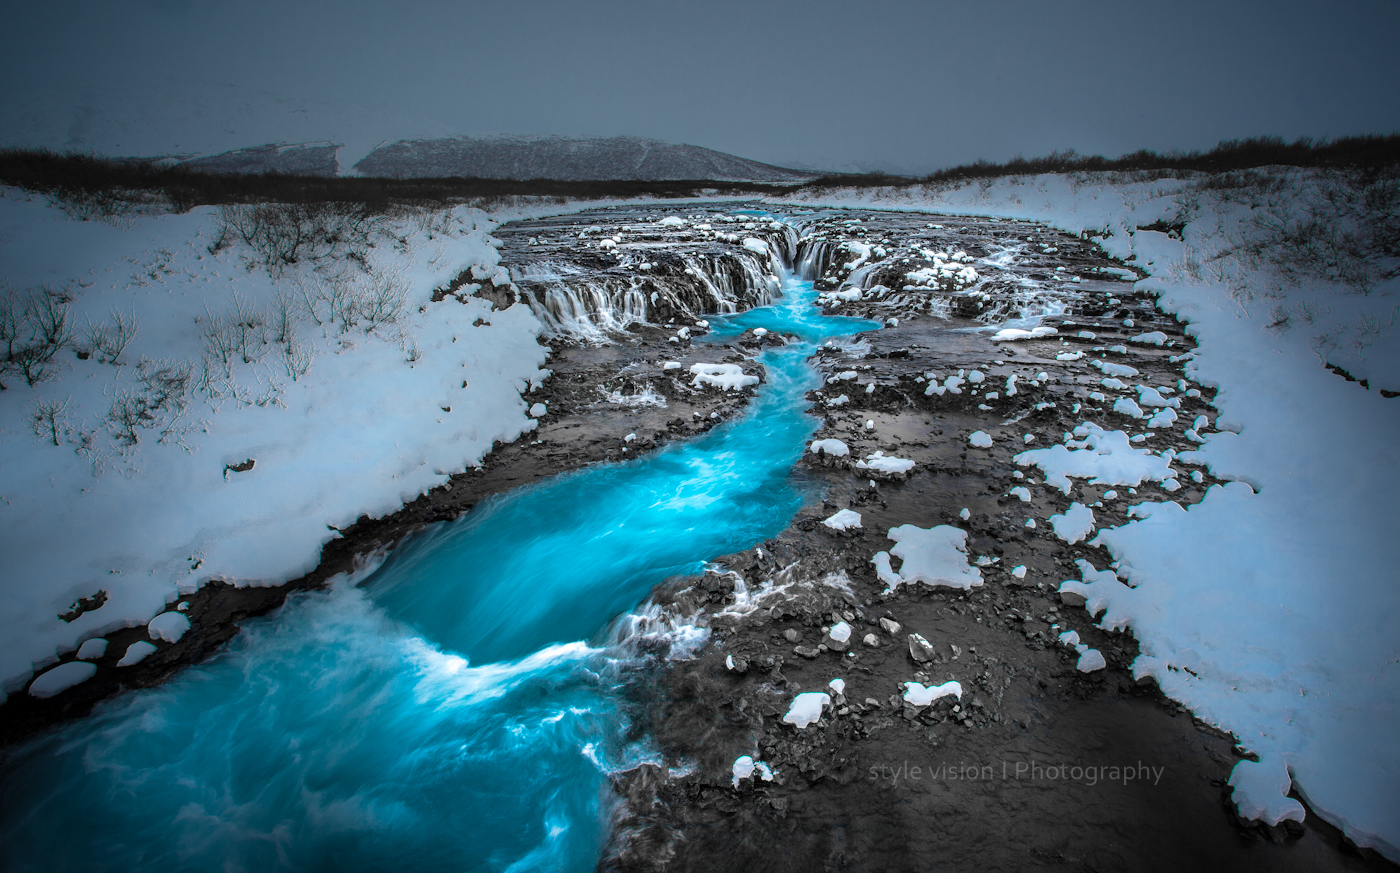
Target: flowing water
[(458, 708)]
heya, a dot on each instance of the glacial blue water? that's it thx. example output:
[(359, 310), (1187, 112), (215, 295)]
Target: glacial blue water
[(457, 710)]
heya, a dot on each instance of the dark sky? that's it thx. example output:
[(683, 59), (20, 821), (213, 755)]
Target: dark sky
[(873, 85)]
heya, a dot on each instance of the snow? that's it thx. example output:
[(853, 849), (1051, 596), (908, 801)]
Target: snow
[(359, 431), (1021, 492), (1127, 406), (1090, 660), (1074, 524), (1155, 338), (833, 447), (846, 519), (538, 410), (933, 556), (889, 466), (1110, 369), (1013, 334), (727, 377), (806, 708), (745, 766), (136, 653), (757, 246), (672, 221), (1273, 589), (168, 626), (92, 649), (61, 678), (1104, 457), (979, 440), (838, 686), (922, 695)]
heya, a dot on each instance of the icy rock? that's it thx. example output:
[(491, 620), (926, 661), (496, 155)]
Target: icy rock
[(838, 638), (61, 678), (920, 649), (806, 708), (1071, 598)]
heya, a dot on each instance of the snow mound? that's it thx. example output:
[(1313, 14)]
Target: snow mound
[(833, 448), (1014, 334), (933, 556), (168, 626), (136, 653), (61, 678), (1074, 524), (1104, 457), (745, 766), (726, 377), (846, 519), (806, 708), (881, 467), (922, 695)]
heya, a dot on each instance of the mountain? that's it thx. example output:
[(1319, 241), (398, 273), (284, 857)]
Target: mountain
[(558, 157)]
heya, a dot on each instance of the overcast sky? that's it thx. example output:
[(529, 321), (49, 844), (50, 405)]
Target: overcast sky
[(906, 86)]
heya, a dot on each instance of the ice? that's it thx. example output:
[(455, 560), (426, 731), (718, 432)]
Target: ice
[(922, 695), (833, 447), (168, 626), (136, 653), (845, 519), (61, 678), (1104, 457), (933, 556), (727, 377), (806, 708), (979, 440)]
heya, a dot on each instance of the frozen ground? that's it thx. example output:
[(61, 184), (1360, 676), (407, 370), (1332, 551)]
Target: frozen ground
[(1270, 607)]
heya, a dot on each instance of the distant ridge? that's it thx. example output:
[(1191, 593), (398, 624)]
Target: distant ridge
[(566, 158)]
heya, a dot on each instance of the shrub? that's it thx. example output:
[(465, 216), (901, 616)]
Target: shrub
[(34, 326)]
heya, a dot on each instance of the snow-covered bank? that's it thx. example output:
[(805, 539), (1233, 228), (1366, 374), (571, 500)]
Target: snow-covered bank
[(1269, 607), (247, 418)]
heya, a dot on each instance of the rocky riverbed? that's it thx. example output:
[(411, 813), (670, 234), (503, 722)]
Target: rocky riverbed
[(1025, 767)]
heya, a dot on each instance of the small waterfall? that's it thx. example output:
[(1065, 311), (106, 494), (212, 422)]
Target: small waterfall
[(581, 303)]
